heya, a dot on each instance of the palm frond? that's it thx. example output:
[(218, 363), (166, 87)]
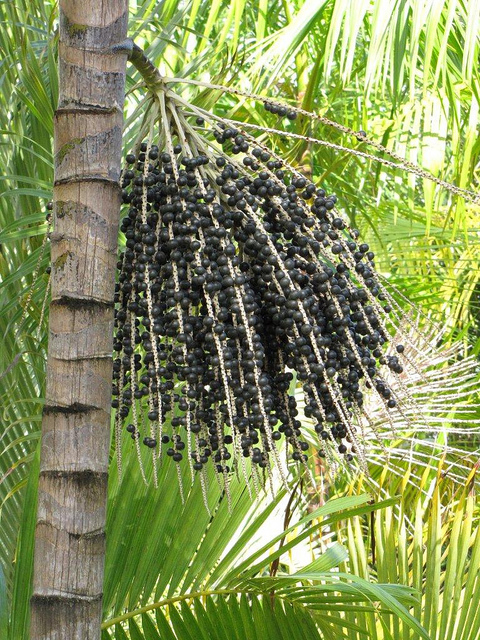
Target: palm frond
[(431, 544)]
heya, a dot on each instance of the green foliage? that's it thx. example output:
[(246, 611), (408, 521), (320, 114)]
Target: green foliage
[(408, 76), (28, 95), (189, 561), (431, 543)]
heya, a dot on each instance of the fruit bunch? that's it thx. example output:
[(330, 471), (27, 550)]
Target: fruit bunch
[(238, 283)]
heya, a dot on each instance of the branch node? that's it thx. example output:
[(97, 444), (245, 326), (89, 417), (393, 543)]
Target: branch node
[(126, 46), (149, 72)]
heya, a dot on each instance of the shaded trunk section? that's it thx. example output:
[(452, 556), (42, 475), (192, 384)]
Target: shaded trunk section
[(70, 533)]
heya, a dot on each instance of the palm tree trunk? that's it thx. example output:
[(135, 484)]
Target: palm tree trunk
[(70, 535)]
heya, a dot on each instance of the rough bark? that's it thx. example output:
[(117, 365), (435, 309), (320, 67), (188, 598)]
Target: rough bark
[(70, 536)]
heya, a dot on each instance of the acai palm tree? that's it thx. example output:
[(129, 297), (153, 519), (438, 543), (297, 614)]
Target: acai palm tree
[(375, 106)]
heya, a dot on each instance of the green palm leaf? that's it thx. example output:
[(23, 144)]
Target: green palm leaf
[(409, 81)]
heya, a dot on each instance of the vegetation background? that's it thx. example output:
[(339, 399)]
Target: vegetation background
[(406, 72)]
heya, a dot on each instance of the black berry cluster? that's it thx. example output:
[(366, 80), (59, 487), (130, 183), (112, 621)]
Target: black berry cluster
[(280, 110), (239, 282)]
